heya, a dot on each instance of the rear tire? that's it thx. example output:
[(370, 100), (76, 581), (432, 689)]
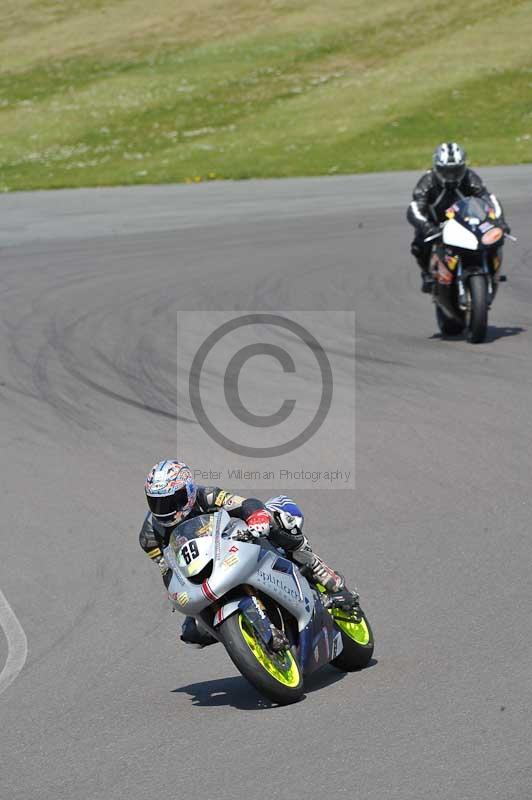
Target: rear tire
[(447, 326), (277, 676), (357, 640), (478, 317)]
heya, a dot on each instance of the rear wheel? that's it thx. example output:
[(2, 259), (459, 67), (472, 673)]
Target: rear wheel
[(277, 676), (478, 316), (357, 638), (447, 326)]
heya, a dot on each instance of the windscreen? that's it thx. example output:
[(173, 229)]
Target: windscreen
[(473, 208), (192, 529)]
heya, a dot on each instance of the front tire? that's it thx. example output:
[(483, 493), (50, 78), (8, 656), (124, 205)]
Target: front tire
[(277, 676), (448, 326), (478, 316), (357, 638)]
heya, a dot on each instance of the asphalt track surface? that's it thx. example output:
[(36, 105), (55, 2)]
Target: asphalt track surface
[(437, 535)]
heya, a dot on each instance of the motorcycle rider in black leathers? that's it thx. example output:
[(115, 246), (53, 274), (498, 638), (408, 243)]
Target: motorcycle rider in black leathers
[(449, 180), (173, 496)]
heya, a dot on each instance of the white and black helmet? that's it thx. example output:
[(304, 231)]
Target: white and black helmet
[(449, 163)]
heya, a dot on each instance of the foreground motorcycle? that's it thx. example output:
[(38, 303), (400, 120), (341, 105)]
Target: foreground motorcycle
[(465, 266), (237, 590)]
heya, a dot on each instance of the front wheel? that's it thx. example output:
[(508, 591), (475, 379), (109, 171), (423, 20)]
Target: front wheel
[(357, 638), (478, 315), (447, 325), (277, 676)]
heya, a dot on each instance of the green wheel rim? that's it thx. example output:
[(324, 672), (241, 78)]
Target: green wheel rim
[(357, 630), (283, 666)]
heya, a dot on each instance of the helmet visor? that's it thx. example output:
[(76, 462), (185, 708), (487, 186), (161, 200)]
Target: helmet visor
[(451, 173), (164, 506)]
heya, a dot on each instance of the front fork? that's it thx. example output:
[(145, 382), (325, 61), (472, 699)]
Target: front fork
[(255, 612), (464, 297)]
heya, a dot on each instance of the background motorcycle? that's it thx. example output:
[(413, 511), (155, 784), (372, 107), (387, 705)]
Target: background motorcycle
[(237, 590), (465, 265)]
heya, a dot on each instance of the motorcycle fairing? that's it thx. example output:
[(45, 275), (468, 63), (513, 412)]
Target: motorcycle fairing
[(320, 641), (289, 587), (237, 563), (456, 235)]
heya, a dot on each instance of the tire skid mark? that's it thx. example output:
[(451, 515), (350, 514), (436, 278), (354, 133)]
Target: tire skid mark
[(58, 342), (17, 644)]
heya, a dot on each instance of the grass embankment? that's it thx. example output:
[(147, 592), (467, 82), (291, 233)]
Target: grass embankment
[(128, 91)]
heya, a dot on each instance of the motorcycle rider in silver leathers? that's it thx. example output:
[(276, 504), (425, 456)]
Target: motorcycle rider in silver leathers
[(173, 496)]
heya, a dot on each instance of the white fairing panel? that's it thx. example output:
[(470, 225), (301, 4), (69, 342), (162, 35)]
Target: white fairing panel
[(456, 235)]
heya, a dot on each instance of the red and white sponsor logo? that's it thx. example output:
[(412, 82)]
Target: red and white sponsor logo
[(208, 592), (259, 522)]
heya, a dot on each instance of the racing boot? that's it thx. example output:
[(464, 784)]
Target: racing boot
[(338, 595), (193, 635), (422, 255), (427, 282), (427, 279)]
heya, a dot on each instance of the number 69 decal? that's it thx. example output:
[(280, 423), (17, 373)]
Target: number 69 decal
[(189, 552)]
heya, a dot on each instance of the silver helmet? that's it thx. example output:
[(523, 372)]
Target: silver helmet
[(449, 164)]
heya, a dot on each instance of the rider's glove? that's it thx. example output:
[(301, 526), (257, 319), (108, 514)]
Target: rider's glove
[(506, 228), (430, 230), (259, 522), (161, 563), (166, 572)]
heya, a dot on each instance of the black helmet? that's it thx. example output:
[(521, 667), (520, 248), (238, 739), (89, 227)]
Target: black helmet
[(449, 164)]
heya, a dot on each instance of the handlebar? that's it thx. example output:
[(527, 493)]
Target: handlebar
[(434, 236)]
